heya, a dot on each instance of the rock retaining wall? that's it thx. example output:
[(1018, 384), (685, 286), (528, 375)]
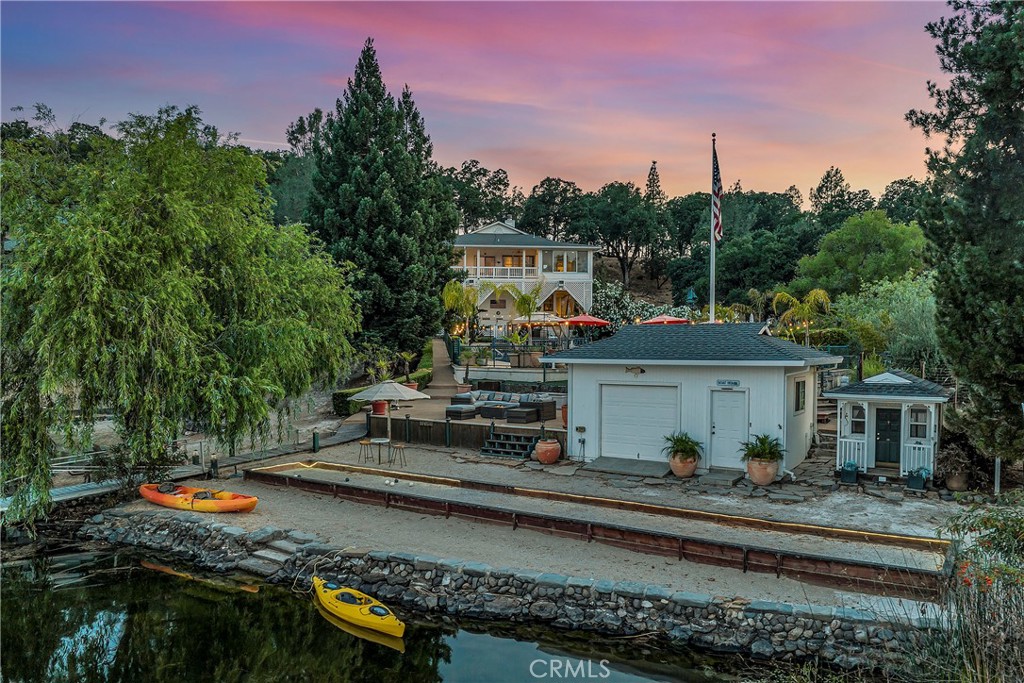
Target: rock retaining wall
[(842, 636)]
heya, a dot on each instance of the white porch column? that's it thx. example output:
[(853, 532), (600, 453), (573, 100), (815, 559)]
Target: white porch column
[(478, 262), (465, 259)]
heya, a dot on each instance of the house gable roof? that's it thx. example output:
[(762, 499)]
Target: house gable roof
[(501, 234), (891, 384), (720, 344)]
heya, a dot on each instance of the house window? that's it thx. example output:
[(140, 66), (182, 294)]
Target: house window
[(801, 396), (548, 261), (497, 303), (531, 261), (489, 261), (570, 261), (918, 423), (857, 420), (559, 262)]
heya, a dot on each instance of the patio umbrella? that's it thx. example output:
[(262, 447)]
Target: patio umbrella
[(587, 321), (388, 390), (665, 320), (542, 318)]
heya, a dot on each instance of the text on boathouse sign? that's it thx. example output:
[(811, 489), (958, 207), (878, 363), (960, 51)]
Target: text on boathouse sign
[(727, 382)]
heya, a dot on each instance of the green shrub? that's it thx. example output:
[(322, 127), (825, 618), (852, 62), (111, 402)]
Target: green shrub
[(343, 403), (427, 359), (763, 447), (873, 365), (682, 446)]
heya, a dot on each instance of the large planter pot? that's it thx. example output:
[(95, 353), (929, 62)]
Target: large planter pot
[(463, 388), (916, 482), (380, 407), (762, 472), (547, 451), (565, 415), (683, 469), (415, 386), (957, 482)]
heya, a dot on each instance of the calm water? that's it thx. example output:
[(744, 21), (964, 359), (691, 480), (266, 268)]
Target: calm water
[(111, 619)]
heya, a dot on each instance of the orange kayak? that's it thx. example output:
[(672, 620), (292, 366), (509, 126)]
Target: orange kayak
[(197, 500)]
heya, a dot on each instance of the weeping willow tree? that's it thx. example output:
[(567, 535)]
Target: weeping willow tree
[(148, 282)]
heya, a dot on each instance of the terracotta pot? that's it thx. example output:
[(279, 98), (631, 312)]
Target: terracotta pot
[(415, 386), (683, 469), (547, 451), (463, 388), (957, 482), (762, 472), (565, 415), (380, 407)]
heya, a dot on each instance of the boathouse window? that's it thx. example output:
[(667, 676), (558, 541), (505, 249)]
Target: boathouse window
[(918, 423), (801, 396), (857, 420)]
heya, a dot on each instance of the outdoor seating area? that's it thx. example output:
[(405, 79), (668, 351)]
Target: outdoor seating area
[(499, 405)]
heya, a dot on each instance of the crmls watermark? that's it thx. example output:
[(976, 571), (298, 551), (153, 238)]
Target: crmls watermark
[(569, 669)]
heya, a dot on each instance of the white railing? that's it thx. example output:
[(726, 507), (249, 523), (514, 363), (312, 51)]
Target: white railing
[(916, 456), (854, 450), (499, 273)]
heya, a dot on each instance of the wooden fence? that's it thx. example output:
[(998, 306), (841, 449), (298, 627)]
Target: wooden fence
[(453, 433)]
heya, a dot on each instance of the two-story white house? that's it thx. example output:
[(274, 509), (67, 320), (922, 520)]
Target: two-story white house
[(502, 254)]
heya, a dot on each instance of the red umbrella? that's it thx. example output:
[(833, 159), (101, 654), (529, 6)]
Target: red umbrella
[(665, 320), (587, 320)]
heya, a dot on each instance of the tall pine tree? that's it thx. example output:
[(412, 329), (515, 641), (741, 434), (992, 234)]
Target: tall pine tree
[(379, 202), (974, 215)]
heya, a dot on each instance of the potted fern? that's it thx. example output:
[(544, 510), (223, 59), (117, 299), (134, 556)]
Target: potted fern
[(763, 454), (683, 452)]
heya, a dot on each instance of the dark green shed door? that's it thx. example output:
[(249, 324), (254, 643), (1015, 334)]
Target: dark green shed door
[(888, 437)]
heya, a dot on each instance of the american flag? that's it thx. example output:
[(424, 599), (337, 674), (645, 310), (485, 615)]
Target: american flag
[(716, 194)]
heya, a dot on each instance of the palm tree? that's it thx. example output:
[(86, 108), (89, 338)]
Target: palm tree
[(461, 299), (802, 312), (759, 301)]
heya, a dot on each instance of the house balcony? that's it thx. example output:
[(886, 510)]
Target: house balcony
[(499, 273)]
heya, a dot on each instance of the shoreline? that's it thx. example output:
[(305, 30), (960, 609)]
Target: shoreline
[(844, 636)]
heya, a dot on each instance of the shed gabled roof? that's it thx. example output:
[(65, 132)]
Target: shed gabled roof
[(501, 234), (719, 344), (891, 384)]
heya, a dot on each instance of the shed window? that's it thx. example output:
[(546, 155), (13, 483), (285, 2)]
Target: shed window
[(857, 420), (918, 423), (801, 396)]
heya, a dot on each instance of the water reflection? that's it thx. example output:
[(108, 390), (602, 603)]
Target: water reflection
[(108, 619)]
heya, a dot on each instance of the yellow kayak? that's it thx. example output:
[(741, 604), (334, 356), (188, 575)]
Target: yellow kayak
[(363, 633), (356, 608)]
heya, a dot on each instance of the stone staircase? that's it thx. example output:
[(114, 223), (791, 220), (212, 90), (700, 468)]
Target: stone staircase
[(443, 383), (509, 445)]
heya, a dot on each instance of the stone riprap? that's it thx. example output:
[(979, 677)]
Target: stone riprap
[(842, 636)]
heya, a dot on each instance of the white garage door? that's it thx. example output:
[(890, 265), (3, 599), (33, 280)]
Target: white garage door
[(636, 419)]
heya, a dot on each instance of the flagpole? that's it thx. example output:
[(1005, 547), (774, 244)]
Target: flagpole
[(711, 310)]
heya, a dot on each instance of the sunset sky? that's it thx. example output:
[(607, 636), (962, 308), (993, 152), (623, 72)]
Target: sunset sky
[(589, 92)]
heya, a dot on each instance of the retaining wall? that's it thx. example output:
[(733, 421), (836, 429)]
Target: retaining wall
[(845, 637)]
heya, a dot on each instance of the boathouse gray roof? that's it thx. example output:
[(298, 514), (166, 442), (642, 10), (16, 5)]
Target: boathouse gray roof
[(894, 384), (719, 344)]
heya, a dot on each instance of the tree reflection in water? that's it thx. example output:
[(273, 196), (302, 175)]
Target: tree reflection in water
[(128, 624)]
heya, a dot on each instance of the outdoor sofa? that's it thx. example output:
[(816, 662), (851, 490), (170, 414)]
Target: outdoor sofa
[(497, 403)]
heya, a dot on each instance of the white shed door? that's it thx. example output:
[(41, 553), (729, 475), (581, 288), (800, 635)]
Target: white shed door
[(636, 419), (728, 428)]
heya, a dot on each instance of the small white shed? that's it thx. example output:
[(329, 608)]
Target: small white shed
[(720, 383), (892, 420)]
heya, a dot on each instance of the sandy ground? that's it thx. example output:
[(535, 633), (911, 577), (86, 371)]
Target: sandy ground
[(911, 516), (355, 525)]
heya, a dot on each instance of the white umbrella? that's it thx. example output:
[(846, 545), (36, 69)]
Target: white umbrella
[(540, 318), (389, 390)]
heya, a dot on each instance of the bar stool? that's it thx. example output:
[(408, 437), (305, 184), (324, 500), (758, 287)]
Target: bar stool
[(396, 454), (364, 451)]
